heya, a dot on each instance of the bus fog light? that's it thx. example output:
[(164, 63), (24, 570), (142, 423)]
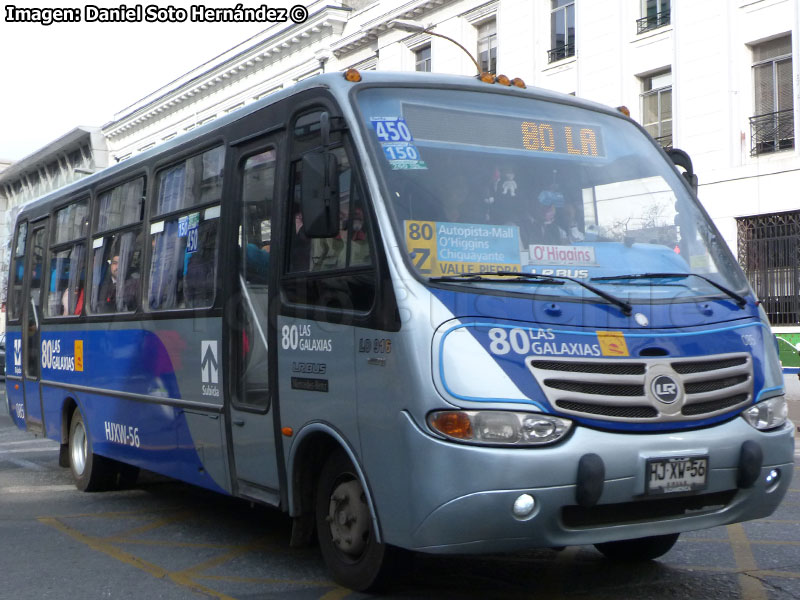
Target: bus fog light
[(523, 506), (772, 479), (768, 414)]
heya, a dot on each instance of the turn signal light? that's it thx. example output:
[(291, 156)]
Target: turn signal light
[(503, 80), (487, 77), (352, 75), (287, 431), (518, 82), (453, 424), (624, 110)]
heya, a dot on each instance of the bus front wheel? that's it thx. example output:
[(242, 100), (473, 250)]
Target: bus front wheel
[(345, 529), (91, 472), (638, 550)]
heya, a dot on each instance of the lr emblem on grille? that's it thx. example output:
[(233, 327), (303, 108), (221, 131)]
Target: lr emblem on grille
[(665, 389)]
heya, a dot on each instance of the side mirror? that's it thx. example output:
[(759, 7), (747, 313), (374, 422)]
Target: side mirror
[(320, 194), (682, 159)]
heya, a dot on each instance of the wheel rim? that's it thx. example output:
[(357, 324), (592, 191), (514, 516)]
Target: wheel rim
[(349, 518), (78, 444)]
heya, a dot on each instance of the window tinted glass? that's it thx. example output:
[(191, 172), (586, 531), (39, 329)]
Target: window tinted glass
[(184, 261), (72, 222), (195, 181), (116, 272), (121, 205)]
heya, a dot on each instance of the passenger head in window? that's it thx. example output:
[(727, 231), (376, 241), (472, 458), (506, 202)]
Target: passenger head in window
[(107, 298)]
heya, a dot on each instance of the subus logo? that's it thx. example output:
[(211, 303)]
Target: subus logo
[(209, 365), (665, 389), (18, 352)]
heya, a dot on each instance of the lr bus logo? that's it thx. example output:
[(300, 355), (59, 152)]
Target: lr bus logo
[(665, 389)]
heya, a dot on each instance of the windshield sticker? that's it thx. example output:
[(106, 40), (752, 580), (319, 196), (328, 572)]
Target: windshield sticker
[(612, 343), (440, 248), (397, 143), (542, 254)]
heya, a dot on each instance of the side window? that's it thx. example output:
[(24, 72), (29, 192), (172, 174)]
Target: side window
[(65, 292), (351, 246), (116, 270), (335, 272), (183, 267), (17, 273), (258, 184)]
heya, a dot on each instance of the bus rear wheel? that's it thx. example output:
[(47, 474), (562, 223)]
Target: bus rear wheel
[(345, 530), (638, 550), (91, 472)]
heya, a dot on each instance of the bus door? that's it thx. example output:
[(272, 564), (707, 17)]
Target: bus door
[(31, 329), (251, 409)]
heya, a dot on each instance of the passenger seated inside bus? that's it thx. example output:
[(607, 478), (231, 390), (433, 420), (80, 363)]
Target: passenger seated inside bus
[(332, 253)]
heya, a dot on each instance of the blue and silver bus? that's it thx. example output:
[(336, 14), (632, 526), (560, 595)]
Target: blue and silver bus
[(416, 312)]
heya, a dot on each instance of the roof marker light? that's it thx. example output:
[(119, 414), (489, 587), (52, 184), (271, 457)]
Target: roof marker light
[(352, 75)]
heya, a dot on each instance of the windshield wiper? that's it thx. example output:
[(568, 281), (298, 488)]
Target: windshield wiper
[(625, 307), (488, 276), (741, 302)]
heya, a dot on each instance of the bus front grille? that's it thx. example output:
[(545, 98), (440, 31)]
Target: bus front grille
[(623, 389)]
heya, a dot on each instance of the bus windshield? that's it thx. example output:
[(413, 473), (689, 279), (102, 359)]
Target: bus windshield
[(478, 183)]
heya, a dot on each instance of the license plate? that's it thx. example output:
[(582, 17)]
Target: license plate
[(672, 475)]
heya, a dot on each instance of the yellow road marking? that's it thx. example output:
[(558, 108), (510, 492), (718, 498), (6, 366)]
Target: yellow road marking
[(336, 594), (745, 561), (129, 559), (153, 525)]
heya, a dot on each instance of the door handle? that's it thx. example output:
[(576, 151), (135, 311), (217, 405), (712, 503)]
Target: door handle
[(239, 422)]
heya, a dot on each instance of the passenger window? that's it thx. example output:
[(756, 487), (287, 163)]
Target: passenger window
[(116, 272), (183, 265), (116, 269), (65, 293), (17, 273)]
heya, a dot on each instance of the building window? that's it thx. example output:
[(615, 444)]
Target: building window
[(562, 30), (772, 126), (422, 59), (769, 252), (657, 107), (487, 46), (655, 14)]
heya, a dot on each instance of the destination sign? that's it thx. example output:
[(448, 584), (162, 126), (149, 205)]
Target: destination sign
[(491, 130)]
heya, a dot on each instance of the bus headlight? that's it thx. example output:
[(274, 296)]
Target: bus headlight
[(499, 427), (768, 414)]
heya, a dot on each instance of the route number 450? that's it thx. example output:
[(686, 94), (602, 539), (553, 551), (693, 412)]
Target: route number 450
[(393, 131)]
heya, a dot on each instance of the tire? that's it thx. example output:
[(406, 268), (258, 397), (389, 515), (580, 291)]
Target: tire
[(638, 550), (92, 473), (345, 529)]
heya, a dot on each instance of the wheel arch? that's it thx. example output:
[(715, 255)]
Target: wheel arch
[(68, 407), (312, 445)]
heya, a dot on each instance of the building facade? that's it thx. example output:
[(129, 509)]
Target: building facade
[(715, 78)]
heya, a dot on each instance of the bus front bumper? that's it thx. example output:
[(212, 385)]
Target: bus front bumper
[(463, 497)]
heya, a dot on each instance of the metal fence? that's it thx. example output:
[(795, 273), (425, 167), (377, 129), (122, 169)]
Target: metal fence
[(769, 253)]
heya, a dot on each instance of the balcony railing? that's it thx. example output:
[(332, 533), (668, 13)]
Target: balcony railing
[(772, 132), (560, 52), (651, 22)]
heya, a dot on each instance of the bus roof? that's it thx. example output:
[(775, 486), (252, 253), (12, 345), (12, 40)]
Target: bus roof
[(339, 87)]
